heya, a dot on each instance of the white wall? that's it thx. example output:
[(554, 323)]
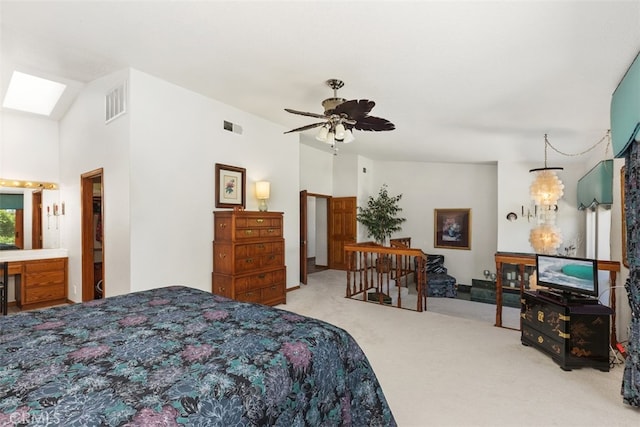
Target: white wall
[(428, 186), (159, 162), (177, 136), (514, 180), (86, 144), (28, 147)]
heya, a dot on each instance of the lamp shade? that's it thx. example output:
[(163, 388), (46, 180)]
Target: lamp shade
[(263, 189), (322, 133), (545, 239), (547, 188)]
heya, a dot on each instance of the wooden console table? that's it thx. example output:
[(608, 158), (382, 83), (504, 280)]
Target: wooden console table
[(525, 261), (40, 276)]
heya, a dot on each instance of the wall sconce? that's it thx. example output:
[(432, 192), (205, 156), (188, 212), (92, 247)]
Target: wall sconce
[(262, 193)]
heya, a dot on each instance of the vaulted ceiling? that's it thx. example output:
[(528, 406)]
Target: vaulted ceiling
[(463, 81)]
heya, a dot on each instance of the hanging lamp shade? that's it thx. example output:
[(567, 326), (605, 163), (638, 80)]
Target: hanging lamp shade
[(545, 239), (547, 188)]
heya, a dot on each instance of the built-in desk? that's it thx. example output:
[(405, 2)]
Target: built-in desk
[(40, 276)]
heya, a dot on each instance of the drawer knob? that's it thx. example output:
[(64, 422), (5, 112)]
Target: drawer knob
[(540, 339), (262, 276), (540, 316), (259, 220), (249, 260), (222, 255), (223, 225), (260, 246), (271, 230), (248, 231)]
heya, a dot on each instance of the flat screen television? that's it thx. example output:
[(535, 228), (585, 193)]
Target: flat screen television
[(573, 277)]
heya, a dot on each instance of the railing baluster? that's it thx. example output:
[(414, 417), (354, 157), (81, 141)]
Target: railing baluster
[(371, 268)]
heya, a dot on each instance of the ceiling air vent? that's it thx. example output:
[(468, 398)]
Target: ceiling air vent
[(116, 102)]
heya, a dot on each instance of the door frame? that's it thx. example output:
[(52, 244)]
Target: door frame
[(304, 232), (36, 219), (86, 188)]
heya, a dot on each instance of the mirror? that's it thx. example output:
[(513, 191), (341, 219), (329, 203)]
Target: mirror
[(43, 222)]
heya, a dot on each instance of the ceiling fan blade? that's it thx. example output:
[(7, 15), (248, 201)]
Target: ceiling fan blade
[(307, 127), (371, 123), (304, 113), (354, 108)]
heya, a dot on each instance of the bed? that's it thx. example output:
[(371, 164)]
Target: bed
[(181, 356)]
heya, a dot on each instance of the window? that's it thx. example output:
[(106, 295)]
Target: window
[(598, 232), (11, 221)]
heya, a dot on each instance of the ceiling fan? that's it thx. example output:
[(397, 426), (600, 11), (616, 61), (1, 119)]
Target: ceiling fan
[(341, 117)]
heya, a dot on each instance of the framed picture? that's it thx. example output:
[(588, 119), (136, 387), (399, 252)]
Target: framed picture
[(452, 228), (230, 186)]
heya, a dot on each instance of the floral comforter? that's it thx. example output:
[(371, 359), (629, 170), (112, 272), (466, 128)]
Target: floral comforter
[(181, 356)]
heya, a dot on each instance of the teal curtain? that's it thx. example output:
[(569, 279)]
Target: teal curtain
[(11, 201)]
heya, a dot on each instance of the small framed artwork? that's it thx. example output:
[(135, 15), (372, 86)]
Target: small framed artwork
[(230, 186), (452, 228)]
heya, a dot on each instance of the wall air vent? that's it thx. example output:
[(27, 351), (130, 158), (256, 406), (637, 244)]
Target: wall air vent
[(232, 127), (116, 102)]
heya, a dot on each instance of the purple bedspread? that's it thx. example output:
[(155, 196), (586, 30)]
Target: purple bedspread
[(181, 356)]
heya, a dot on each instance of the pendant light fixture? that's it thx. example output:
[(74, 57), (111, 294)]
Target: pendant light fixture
[(545, 191), (547, 188)]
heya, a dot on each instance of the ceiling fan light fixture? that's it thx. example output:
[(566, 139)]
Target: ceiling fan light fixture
[(322, 133), (331, 140), (341, 117), (348, 137)]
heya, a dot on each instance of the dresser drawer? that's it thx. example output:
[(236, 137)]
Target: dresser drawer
[(549, 319), (259, 280), (253, 263), (254, 296), (56, 264), (273, 294), (255, 249), (259, 221), (547, 343), (258, 233), (44, 293)]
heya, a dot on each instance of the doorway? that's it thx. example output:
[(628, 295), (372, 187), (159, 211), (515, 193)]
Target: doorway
[(36, 220), (314, 233), (326, 225), (92, 190)]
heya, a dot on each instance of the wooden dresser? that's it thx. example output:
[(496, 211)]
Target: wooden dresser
[(39, 282), (248, 256)]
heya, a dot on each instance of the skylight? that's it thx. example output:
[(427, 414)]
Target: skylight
[(32, 94)]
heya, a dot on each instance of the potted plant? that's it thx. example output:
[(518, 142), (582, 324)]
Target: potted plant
[(380, 215)]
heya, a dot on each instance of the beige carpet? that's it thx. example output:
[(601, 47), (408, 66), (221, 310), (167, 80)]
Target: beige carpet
[(451, 367)]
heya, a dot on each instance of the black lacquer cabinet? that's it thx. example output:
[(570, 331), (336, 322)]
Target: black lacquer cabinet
[(575, 333)]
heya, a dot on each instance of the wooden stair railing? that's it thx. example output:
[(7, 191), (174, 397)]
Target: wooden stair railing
[(372, 268)]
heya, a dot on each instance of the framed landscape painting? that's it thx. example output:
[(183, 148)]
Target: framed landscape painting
[(230, 186), (452, 228)]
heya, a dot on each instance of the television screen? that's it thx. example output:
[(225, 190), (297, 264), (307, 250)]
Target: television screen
[(569, 275)]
